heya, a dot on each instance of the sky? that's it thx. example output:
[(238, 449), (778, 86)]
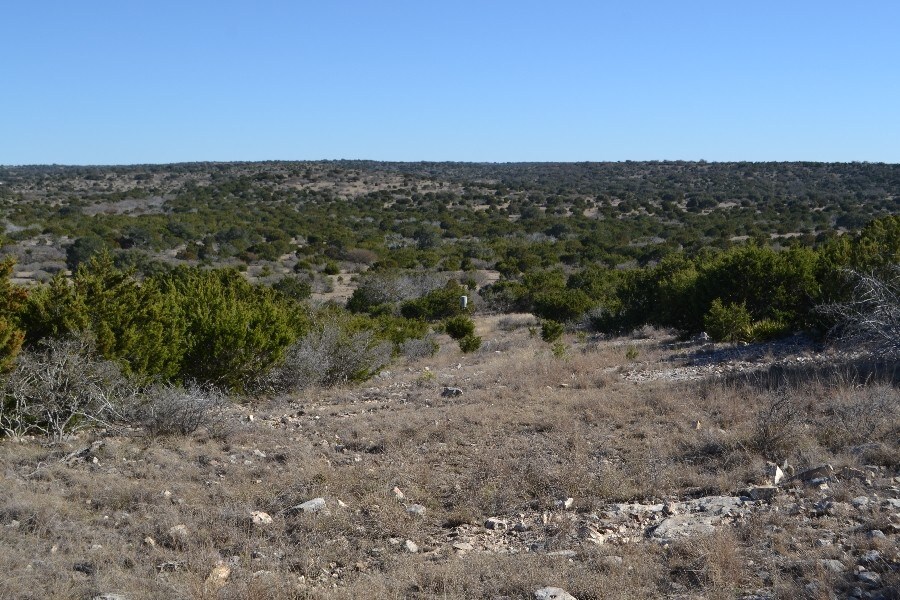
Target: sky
[(133, 81)]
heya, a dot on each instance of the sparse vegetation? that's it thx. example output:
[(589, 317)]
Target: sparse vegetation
[(220, 356)]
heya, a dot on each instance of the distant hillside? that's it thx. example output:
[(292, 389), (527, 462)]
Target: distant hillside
[(280, 217)]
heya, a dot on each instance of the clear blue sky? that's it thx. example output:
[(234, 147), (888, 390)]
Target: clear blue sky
[(103, 82)]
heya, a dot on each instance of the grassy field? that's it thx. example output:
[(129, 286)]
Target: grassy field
[(548, 469)]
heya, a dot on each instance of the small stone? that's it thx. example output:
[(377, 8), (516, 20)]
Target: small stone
[(833, 566), (416, 509), (774, 473), (218, 577), (451, 392), (763, 493), (553, 593), (260, 518), (179, 534), (811, 475), (870, 557), (259, 454), (398, 494), (311, 506), (342, 504), (463, 546), (410, 546), (877, 534), (869, 577), (860, 502), (496, 523), (611, 561)]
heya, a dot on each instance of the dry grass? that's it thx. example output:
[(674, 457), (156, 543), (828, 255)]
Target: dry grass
[(529, 431)]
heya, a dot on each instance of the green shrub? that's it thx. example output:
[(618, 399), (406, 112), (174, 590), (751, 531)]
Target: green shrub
[(459, 327), (561, 304), (727, 323), (551, 330), (296, 288), (437, 304), (470, 343), (331, 268), (234, 331), (12, 299), (768, 329), (83, 249)]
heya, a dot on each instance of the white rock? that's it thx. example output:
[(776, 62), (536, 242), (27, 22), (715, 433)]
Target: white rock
[(496, 523), (218, 577), (416, 509), (398, 493), (553, 593), (259, 517), (411, 546), (860, 502), (311, 506), (774, 473), (833, 566), (179, 534)]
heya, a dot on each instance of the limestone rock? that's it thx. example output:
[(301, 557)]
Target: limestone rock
[(311, 506), (860, 502), (684, 526), (496, 523), (218, 577), (815, 474), (416, 509), (260, 518), (833, 566), (869, 577), (764, 493), (774, 473), (179, 535), (411, 546), (553, 593)]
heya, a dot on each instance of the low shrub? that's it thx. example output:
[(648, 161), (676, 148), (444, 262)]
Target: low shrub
[(60, 388), (470, 343), (727, 323), (169, 409), (459, 327), (328, 356), (551, 330), (414, 349)]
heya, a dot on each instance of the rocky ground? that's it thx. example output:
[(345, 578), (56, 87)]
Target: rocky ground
[(510, 473)]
